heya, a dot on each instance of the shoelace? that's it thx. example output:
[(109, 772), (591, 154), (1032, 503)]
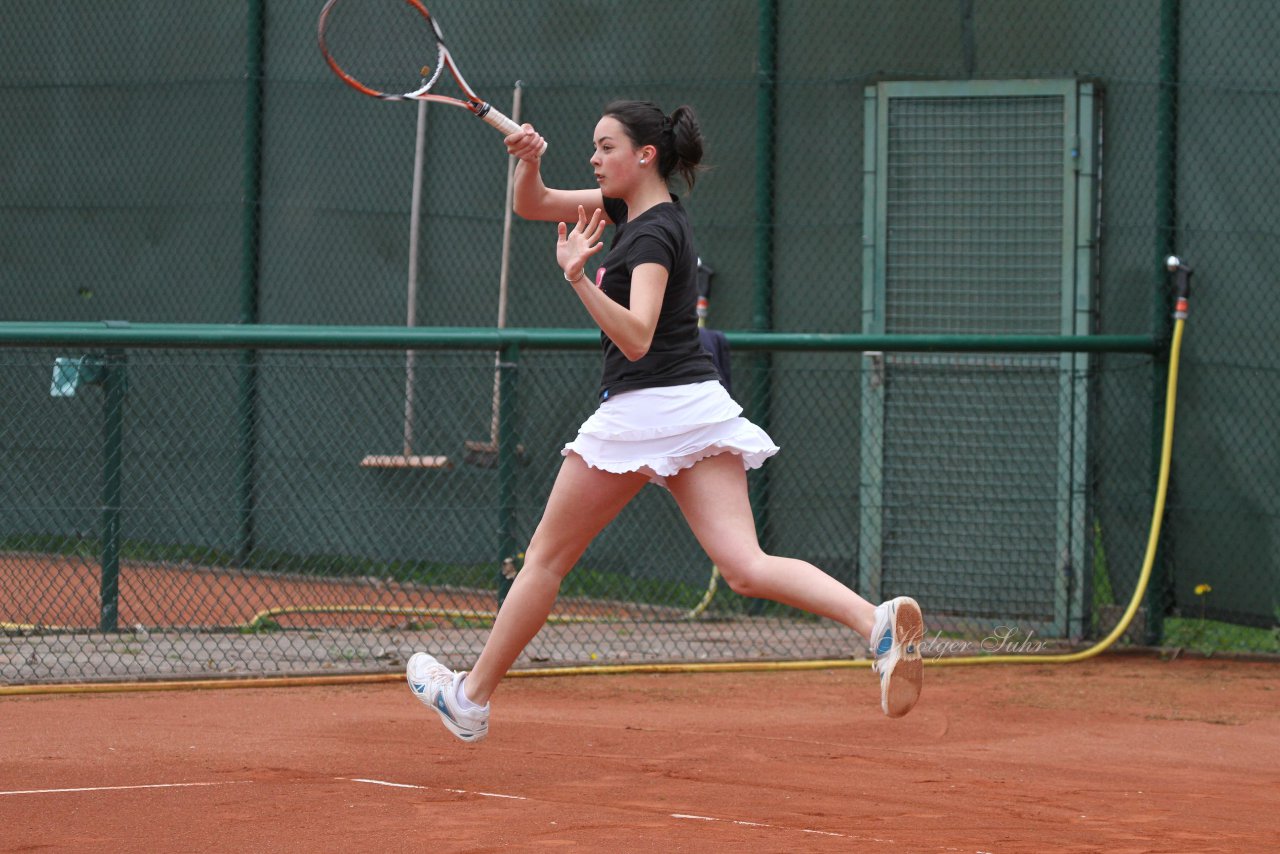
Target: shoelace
[(438, 677)]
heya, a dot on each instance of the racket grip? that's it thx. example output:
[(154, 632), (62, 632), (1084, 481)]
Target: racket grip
[(497, 119)]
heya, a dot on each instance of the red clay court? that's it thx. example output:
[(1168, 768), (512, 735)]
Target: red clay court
[(1124, 753)]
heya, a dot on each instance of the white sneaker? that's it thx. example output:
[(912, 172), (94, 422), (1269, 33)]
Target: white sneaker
[(895, 642), (437, 686)]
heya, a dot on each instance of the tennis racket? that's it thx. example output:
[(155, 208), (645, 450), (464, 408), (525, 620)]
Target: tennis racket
[(384, 45)]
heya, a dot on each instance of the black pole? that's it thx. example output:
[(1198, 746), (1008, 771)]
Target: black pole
[(251, 231)]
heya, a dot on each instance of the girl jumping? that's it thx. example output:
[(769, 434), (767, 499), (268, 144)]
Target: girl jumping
[(663, 417)]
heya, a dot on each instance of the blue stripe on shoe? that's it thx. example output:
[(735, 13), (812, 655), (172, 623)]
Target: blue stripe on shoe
[(886, 643)]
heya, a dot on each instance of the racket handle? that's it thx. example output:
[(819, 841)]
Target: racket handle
[(496, 118)]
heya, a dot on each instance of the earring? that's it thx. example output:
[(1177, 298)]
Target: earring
[(643, 161)]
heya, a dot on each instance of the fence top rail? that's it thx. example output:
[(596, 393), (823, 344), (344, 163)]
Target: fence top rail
[(120, 334)]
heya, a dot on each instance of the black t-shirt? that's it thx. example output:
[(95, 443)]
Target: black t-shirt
[(661, 235)]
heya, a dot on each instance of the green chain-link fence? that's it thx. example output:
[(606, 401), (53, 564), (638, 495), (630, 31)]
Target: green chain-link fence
[(198, 163), (151, 533)]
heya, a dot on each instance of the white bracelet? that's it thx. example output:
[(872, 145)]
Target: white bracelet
[(581, 273)]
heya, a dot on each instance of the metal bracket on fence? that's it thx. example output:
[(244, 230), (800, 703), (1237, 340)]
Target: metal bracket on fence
[(69, 373), (876, 357)]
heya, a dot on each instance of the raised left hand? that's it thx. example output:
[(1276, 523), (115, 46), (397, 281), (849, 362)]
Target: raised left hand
[(574, 247)]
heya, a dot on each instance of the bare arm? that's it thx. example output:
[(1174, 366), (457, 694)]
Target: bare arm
[(532, 199), (631, 328)]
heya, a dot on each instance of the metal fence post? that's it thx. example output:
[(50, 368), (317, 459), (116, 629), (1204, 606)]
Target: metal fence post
[(762, 320), (251, 229), (114, 385), (508, 453), (1166, 243)]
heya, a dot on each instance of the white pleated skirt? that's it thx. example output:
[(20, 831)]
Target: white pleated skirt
[(661, 431)]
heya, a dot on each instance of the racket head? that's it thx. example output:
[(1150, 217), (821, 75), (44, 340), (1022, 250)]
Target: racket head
[(394, 50), (388, 49)]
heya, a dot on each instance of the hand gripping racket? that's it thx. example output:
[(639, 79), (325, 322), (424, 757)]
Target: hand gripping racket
[(383, 45)]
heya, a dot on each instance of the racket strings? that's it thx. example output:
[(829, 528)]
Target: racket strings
[(387, 46), (430, 75)]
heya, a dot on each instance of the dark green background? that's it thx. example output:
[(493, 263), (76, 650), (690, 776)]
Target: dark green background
[(123, 163)]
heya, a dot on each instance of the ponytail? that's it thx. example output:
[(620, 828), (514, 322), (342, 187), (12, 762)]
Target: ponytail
[(677, 138)]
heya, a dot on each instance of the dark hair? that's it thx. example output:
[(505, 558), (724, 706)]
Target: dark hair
[(678, 137)]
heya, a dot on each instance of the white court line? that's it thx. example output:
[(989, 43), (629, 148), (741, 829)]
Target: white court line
[(754, 824), (428, 788), (777, 827), (673, 815), (382, 783), (121, 788), (488, 795)]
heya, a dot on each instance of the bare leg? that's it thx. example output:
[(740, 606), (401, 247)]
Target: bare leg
[(713, 498), (582, 502)]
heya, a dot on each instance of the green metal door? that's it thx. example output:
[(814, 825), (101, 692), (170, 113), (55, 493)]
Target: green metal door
[(979, 212)]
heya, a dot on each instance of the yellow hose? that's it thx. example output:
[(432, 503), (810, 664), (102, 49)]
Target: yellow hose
[(706, 597), (255, 622), (1144, 578), (1153, 537)]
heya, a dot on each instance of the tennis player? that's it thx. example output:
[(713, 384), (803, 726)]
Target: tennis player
[(663, 417)]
